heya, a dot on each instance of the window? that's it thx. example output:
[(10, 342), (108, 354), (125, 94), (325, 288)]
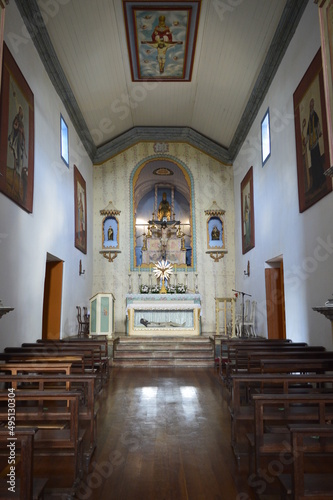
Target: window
[(64, 140), (265, 139)]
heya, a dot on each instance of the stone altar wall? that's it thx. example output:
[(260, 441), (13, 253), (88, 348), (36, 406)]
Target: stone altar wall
[(212, 181)]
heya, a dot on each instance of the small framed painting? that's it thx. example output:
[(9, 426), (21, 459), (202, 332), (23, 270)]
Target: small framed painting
[(17, 121), (80, 203), (265, 138), (247, 211)]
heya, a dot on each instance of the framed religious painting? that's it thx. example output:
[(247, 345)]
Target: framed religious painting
[(161, 38), (80, 203), (312, 147), (16, 135), (247, 211), (326, 31)]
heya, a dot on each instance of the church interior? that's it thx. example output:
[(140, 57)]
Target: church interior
[(166, 249)]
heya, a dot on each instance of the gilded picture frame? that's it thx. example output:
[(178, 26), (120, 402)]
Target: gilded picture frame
[(161, 38), (326, 32), (17, 121), (80, 204), (247, 212), (312, 148)]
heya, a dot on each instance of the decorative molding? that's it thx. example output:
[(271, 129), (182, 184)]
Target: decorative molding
[(159, 134)]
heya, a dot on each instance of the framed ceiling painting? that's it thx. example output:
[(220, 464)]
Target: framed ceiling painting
[(312, 148), (247, 211), (80, 203), (16, 134), (161, 39)]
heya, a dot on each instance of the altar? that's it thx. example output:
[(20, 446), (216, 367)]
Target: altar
[(155, 314)]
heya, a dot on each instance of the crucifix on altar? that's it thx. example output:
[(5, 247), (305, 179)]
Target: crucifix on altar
[(164, 239)]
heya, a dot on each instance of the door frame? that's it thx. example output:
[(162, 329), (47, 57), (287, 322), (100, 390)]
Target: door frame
[(52, 298), (275, 299)]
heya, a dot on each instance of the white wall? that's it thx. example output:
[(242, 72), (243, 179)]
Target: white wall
[(26, 238), (279, 227)]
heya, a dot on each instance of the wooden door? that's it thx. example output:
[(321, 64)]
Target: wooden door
[(52, 300), (276, 323)]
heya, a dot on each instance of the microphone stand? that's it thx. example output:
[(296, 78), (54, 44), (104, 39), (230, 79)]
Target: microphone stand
[(242, 293)]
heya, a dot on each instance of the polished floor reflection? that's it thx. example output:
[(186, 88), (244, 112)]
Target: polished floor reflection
[(164, 434)]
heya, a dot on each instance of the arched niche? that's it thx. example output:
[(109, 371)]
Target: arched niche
[(149, 180)]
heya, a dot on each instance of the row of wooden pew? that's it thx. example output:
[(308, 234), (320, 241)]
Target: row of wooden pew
[(49, 393), (280, 397)]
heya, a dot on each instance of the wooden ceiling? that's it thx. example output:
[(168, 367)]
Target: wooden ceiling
[(239, 46)]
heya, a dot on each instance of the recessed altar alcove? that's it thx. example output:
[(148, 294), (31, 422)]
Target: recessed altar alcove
[(162, 225)]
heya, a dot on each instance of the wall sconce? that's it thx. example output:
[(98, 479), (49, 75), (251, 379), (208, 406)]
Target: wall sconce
[(81, 271), (247, 272)]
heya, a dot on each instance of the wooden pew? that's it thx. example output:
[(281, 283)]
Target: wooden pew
[(91, 355), (58, 409), (25, 486), (77, 360), (303, 483), (272, 415), (228, 347), (84, 383), (239, 357), (254, 358), (29, 367), (241, 403), (309, 365), (101, 356)]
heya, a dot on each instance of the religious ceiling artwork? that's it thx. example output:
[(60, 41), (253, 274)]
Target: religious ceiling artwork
[(161, 38)]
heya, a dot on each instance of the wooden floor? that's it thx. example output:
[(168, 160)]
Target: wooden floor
[(164, 433)]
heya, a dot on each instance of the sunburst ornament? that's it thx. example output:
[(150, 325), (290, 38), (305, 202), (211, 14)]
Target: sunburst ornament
[(163, 269)]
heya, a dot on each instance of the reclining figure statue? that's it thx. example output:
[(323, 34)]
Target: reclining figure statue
[(163, 323)]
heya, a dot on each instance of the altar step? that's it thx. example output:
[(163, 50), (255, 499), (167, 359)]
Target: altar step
[(156, 351)]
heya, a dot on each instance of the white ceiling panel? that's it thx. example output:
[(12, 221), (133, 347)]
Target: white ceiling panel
[(233, 40)]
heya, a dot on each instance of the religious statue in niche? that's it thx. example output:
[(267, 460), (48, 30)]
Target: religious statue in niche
[(215, 235), (110, 234), (164, 209)]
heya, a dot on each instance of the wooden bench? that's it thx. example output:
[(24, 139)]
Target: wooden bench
[(272, 415), (85, 383), (303, 482), (76, 360), (91, 355), (254, 358), (25, 486), (57, 419), (228, 347), (28, 368), (241, 403), (240, 359), (309, 365), (100, 350)]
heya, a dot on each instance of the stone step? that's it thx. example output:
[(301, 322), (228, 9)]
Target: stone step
[(161, 339), (144, 354), (155, 351), (166, 346), (158, 363)]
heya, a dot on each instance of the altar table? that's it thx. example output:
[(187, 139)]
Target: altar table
[(165, 314)]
